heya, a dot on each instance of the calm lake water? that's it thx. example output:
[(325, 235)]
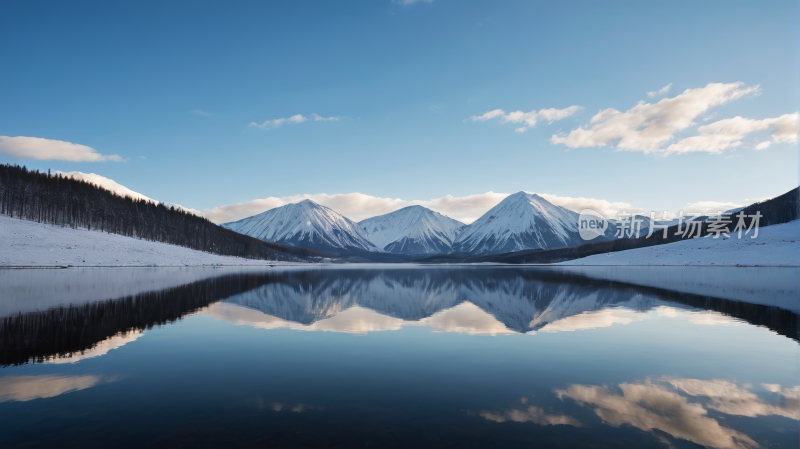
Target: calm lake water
[(400, 356)]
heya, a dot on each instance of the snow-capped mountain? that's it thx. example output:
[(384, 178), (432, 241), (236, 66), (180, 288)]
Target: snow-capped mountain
[(412, 230), (305, 224), (521, 221)]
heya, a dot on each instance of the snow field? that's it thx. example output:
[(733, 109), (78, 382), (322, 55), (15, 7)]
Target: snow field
[(777, 245), (27, 243)]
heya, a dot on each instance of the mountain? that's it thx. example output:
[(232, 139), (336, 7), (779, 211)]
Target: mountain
[(305, 224), (521, 221), (412, 230)]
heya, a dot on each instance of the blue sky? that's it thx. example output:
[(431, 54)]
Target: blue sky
[(171, 88)]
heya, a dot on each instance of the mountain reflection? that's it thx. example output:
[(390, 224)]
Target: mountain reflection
[(478, 301)]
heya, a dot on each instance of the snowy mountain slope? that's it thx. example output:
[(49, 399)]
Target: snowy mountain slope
[(305, 224), (27, 243), (776, 245), (521, 221), (412, 230), (121, 190)]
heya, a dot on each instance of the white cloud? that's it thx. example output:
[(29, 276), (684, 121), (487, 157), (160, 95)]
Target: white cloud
[(646, 126), (200, 112), (359, 206), (411, 2), (659, 92), (278, 122), (763, 145), (606, 208), (529, 119), (318, 118), (487, 116), (714, 206), (47, 149), (728, 133)]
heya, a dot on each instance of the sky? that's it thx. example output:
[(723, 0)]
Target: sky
[(229, 108)]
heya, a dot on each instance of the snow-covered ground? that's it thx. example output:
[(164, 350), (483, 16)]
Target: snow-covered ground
[(777, 245), (27, 243)]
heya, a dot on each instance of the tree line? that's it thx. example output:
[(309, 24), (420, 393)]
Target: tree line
[(68, 202)]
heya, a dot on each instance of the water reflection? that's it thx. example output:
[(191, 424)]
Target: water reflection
[(26, 388), (101, 348), (75, 331), (464, 318), (649, 406), (728, 397), (396, 357), (652, 405), (478, 301), (532, 414)]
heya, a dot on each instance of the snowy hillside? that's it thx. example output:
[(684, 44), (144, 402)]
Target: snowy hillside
[(412, 230), (776, 245), (521, 221), (27, 243), (305, 224)]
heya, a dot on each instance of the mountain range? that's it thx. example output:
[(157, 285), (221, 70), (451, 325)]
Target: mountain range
[(522, 221)]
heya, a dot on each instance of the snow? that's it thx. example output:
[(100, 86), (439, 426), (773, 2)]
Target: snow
[(773, 286), (30, 289), (425, 231), (305, 224), (777, 245), (121, 190), (521, 221), (27, 243)]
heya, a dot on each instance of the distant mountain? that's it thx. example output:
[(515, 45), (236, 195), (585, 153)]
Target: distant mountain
[(412, 230), (305, 224), (521, 221)]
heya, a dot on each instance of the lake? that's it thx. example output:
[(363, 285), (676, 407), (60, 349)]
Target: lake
[(400, 356)]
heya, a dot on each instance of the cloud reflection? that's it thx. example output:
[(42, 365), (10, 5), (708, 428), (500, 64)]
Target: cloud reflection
[(26, 388), (594, 319), (728, 397), (533, 414), (654, 406), (464, 318)]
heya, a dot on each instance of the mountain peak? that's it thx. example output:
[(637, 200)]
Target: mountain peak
[(521, 221), (412, 230), (305, 224)]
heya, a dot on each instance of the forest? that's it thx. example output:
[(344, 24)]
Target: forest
[(65, 201)]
